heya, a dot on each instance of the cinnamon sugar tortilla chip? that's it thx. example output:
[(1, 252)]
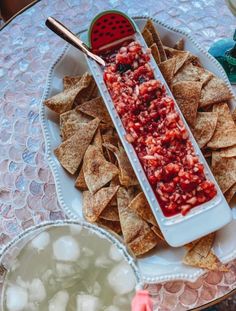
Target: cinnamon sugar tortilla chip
[(156, 38), (179, 45), (189, 72), (96, 108), (87, 85), (70, 153), (80, 181), (127, 176), (69, 127), (63, 101), (187, 94), (93, 205), (205, 127), (230, 193), (180, 56), (73, 115), (201, 255), (97, 171), (215, 91), (141, 207), (110, 225), (167, 68), (225, 133), (110, 213), (155, 53), (69, 81), (147, 37), (144, 243), (137, 233), (224, 170)]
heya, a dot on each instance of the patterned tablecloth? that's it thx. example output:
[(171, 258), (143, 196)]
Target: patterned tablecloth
[(28, 48)]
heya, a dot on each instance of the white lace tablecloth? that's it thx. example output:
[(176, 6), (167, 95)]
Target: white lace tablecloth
[(27, 49)]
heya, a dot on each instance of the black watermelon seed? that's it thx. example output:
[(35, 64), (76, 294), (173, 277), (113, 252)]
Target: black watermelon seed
[(103, 27), (127, 25), (113, 28), (111, 35), (100, 34), (117, 22), (105, 20), (123, 22), (98, 23), (95, 39), (122, 31), (96, 31), (112, 17), (111, 23), (121, 26), (108, 33)]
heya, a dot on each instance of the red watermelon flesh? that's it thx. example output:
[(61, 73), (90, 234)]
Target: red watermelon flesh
[(108, 28)]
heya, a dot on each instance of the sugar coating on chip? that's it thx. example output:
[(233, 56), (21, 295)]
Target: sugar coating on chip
[(16, 298), (66, 248), (41, 241)]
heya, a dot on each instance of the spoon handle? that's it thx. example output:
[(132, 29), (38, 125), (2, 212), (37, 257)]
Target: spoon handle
[(71, 38)]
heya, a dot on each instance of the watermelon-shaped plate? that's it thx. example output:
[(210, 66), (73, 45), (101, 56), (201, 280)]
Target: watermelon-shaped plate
[(108, 29)]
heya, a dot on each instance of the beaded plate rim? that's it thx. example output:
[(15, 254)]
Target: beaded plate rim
[(44, 122)]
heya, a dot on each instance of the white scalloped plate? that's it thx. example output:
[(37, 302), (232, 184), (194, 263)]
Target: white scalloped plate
[(162, 264)]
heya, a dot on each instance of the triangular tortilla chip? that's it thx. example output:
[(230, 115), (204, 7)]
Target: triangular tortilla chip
[(73, 115), (147, 37), (97, 171), (187, 95), (155, 53), (93, 205), (215, 91), (201, 255), (156, 38), (70, 153), (136, 232), (110, 213), (144, 243), (110, 225), (87, 85), (230, 193), (179, 45), (97, 109), (97, 140), (167, 68), (80, 181), (69, 81), (205, 127), (127, 176), (181, 57), (224, 170), (63, 101), (189, 72), (141, 207), (69, 127), (225, 133)]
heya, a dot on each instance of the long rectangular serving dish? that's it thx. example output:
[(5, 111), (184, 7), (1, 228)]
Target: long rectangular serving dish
[(163, 263), (173, 228)]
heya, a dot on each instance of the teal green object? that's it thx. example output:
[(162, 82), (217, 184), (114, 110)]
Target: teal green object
[(224, 51)]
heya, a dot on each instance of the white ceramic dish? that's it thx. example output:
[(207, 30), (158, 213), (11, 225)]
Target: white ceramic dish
[(160, 265)]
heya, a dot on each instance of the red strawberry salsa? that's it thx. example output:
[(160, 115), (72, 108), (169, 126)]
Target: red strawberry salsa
[(156, 131)]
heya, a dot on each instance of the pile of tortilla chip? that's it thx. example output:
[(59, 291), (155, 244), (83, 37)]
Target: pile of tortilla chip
[(91, 151)]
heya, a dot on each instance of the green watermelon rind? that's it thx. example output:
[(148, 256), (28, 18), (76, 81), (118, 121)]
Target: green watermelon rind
[(103, 13)]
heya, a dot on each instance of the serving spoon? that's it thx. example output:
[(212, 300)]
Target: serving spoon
[(63, 32)]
